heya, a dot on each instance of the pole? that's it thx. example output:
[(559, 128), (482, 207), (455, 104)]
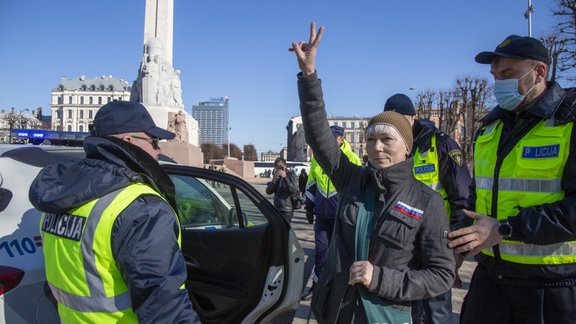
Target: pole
[(228, 134), (528, 16)]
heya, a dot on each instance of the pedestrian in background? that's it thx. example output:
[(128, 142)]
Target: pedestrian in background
[(321, 206), (302, 179), (388, 247), (284, 186), (523, 194), (121, 260), (439, 164)]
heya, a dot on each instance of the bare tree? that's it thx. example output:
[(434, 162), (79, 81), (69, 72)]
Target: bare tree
[(448, 112), (424, 104), (235, 151), (250, 153), (471, 93), (212, 151), (556, 46), (566, 27)]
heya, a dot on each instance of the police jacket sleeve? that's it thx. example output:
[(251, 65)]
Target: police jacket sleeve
[(317, 132), (145, 247), (555, 222), (454, 175), (435, 272)]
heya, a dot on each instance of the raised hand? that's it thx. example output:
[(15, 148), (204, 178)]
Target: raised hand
[(306, 52)]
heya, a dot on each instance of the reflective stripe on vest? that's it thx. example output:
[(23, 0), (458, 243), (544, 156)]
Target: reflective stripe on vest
[(426, 169), (521, 185), (97, 302), (530, 175), (538, 254), (100, 293)]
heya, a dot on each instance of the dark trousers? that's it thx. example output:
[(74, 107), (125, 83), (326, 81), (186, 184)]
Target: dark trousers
[(322, 234), (288, 215), (489, 301), (435, 310)]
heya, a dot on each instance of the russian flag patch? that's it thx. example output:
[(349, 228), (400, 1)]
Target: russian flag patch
[(408, 210)]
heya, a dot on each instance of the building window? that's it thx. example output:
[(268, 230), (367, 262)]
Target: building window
[(81, 128), (335, 123), (59, 100), (70, 113), (109, 99), (99, 100), (344, 124), (91, 100), (58, 113), (69, 128), (119, 98), (81, 100), (90, 114), (81, 114), (70, 100)]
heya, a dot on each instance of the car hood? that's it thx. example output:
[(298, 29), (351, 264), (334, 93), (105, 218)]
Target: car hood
[(111, 164)]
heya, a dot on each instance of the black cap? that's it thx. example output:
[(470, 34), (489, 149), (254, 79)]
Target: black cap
[(400, 103), (517, 47), (117, 117), (337, 130)]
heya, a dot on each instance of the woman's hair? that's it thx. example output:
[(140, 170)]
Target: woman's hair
[(378, 129)]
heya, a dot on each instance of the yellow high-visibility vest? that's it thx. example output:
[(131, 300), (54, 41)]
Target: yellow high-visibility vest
[(530, 175), (427, 170), (81, 240), (316, 175)]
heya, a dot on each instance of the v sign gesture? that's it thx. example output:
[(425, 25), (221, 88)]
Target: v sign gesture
[(306, 52)]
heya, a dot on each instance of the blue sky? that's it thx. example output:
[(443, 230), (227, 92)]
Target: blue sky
[(371, 49)]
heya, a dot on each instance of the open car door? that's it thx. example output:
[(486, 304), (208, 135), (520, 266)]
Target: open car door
[(244, 262)]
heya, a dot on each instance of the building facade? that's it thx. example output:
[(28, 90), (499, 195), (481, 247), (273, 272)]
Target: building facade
[(75, 101), (354, 128), (213, 122)]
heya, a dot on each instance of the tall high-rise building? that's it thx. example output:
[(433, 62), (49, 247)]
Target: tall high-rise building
[(212, 117)]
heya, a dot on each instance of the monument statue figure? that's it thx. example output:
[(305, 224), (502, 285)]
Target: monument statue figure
[(181, 128)]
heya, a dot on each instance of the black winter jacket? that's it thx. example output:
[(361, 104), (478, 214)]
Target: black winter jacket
[(543, 224), (410, 255), (144, 236)]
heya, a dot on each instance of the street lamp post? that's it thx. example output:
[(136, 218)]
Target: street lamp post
[(228, 134), (528, 16)]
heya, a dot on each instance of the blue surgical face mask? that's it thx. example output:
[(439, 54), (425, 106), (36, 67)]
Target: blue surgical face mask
[(506, 92)]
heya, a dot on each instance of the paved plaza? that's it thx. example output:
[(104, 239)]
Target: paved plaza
[(305, 234)]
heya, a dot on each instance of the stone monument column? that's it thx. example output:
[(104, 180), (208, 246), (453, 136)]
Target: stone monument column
[(158, 86)]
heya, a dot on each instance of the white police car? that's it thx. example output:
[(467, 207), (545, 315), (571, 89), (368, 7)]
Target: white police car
[(244, 262)]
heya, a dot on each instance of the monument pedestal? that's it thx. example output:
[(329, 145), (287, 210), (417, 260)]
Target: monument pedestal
[(183, 153)]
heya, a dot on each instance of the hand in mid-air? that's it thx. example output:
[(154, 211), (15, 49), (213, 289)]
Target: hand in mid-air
[(306, 52), (472, 239)]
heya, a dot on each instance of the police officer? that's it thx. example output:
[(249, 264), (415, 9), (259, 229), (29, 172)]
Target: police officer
[(524, 195), (110, 231), (438, 162), (321, 201)]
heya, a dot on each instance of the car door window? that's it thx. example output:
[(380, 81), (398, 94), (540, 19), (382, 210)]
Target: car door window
[(212, 205)]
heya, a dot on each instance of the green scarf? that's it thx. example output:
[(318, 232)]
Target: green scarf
[(377, 311)]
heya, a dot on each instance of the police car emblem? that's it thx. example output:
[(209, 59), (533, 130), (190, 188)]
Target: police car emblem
[(456, 155)]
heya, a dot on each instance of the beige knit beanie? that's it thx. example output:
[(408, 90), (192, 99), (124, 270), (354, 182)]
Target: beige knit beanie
[(397, 121)]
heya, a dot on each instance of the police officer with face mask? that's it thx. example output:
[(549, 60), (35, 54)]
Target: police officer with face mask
[(524, 195)]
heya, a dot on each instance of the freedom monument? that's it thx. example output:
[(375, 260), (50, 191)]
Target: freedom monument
[(158, 86)]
